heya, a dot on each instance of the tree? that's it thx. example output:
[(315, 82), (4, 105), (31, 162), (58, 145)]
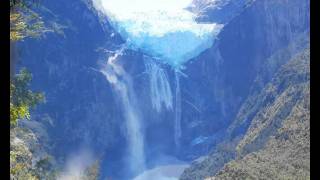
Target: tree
[(22, 99), (24, 22)]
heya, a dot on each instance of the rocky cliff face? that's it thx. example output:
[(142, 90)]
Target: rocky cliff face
[(251, 47), (80, 109), (64, 68), (29, 157), (277, 142)]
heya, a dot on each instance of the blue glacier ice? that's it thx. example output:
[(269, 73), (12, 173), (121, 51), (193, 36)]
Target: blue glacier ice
[(162, 29)]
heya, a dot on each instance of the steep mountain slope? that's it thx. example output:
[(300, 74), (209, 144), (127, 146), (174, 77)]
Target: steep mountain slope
[(219, 156), (277, 142), (212, 163), (278, 138), (225, 73)]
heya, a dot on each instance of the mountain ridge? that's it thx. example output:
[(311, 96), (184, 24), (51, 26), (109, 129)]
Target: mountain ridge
[(276, 146)]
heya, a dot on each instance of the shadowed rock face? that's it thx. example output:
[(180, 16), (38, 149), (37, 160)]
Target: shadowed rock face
[(251, 47), (13, 58), (79, 100), (264, 37), (277, 142)]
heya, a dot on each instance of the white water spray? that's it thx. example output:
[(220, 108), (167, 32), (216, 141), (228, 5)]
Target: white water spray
[(160, 90), (122, 84)]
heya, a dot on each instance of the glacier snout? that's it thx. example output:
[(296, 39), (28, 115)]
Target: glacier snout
[(164, 29)]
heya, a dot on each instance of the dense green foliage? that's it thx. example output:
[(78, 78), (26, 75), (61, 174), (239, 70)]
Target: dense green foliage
[(21, 97), (27, 160), (24, 22)]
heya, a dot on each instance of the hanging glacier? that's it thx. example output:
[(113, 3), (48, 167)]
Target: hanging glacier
[(162, 29)]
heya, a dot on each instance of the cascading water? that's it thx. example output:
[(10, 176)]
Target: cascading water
[(122, 85), (160, 90), (177, 119), (161, 95)]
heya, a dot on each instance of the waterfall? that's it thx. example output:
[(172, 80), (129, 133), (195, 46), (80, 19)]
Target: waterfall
[(161, 95), (122, 85), (160, 91), (177, 119)]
